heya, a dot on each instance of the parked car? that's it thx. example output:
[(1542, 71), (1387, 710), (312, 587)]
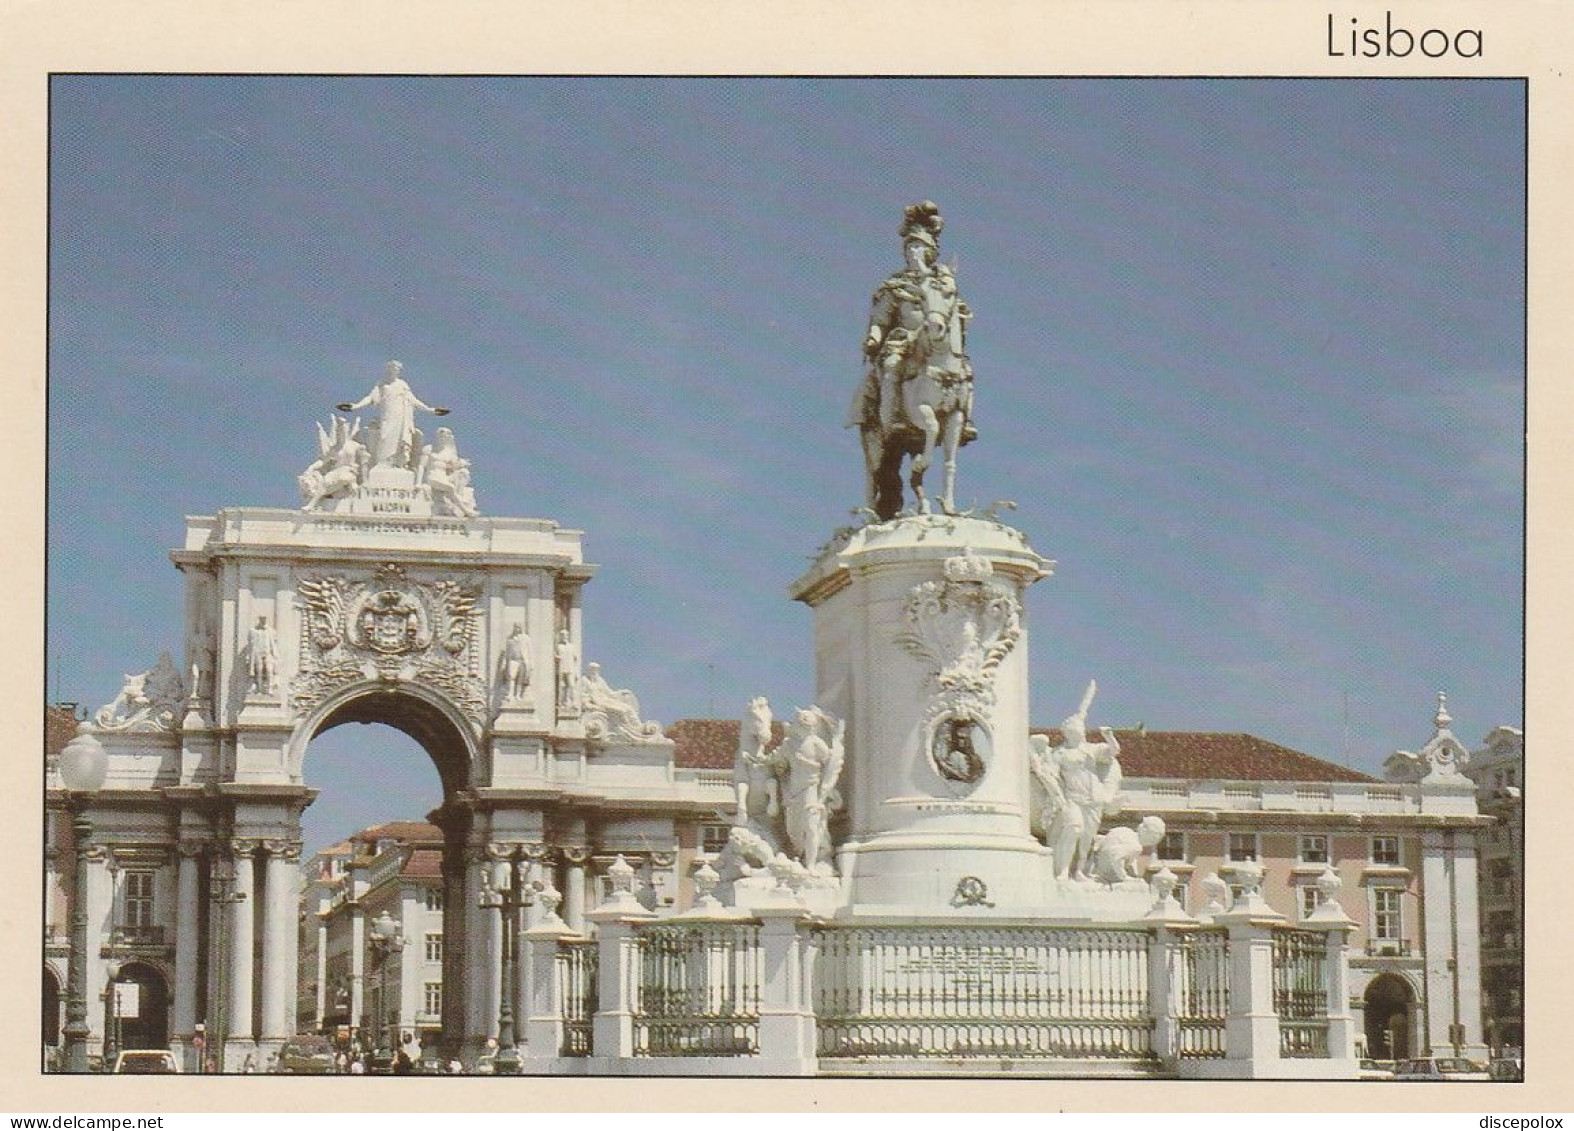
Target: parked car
[(1375, 1070), (1507, 1069), (139, 1061), (379, 1063), (1441, 1068), (307, 1054)]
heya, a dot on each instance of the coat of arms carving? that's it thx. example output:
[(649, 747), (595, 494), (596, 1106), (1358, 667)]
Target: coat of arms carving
[(389, 626), (962, 628)]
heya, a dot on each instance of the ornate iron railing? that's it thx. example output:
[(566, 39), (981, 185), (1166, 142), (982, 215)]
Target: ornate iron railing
[(699, 990), (988, 992), (1300, 992), (1202, 991), (576, 970)]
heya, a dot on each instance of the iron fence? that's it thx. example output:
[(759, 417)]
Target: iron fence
[(1300, 992), (1202, 991), (576, 968), (699, 990), (967, 991)]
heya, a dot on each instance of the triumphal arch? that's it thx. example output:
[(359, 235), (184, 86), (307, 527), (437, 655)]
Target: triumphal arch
[(386, 597)]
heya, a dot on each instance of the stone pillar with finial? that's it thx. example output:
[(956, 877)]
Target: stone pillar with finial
[(618, 962)]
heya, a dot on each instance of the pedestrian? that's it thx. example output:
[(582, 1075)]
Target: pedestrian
[(455, 1068), (357, 1067)]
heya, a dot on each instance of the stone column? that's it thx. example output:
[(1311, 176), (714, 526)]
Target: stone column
[(322, 967), (574, 861), (280, 963), (787, 1034), (357, 964), (480, 966), (241, 1034), (188, 915)]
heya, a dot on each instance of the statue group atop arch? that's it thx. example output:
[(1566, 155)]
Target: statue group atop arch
[(390, 454)]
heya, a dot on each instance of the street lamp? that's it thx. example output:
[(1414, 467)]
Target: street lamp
[(221, 897), (385, 939), (503, 887), (112, 1032), (83, 767)]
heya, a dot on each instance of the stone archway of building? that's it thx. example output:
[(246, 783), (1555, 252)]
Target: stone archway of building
[(51, 1003), (1389, 1006), (440, 730), (149, 1027)]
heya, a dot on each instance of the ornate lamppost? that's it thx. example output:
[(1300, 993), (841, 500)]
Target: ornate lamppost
[(221, 897), (503, 887), (83, 766), (385, 939)]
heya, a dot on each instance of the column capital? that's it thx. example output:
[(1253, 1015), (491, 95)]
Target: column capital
[(283, 849), (576, 854), (244, 845)]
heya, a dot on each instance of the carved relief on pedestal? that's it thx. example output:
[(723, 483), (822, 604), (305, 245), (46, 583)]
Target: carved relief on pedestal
[(962, 628), (387, 626)]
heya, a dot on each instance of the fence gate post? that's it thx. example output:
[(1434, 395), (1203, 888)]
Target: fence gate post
[(786, 999), (544, 1024), (1163, 954), (1330, 916), (612, 1032), (1251, 1032)]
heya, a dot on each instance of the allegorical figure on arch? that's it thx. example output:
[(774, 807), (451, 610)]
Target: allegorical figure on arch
[(917, 391)]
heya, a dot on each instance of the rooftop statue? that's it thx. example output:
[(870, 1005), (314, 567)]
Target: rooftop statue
[(395, 441), (917, 393), (389, 453), (610, 713), (340, 465), (447, 475)]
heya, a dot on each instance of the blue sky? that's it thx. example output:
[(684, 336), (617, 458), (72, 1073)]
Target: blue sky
[(1249, 356)]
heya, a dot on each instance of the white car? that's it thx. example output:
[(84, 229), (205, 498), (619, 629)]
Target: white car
[(137, 1061), (1441, 1068)]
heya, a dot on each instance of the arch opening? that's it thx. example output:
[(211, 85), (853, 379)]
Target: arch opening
[(1389, 1005), (138, 1002), (385, 967)]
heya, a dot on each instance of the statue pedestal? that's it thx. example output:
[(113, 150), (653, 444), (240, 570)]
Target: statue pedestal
[(919, 646)]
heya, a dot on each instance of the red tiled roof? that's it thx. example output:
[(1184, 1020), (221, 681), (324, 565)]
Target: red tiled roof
[(1193, 755), (408, 832), (424, 864), (711, 744), (60, 727), (1216, 756)]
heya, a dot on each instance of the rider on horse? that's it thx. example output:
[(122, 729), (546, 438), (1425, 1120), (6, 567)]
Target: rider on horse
[(916, 330)]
